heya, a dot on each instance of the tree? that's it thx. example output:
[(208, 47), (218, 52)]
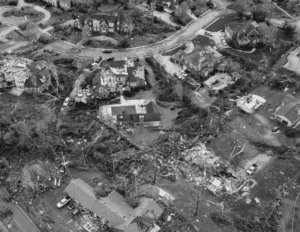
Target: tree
[(124, 43)]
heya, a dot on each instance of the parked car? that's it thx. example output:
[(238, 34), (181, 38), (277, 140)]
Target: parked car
[(223, 41), (63, 202), (93, 66), (76, 212), (177, 76), (88, 92), (252, 170), (183, 73), (107, 51), (79, 93), (98, 60), (111, 59), (66, 102), (71, 102), (275, 129)]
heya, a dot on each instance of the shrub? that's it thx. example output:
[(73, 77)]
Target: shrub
[(102, 191), (292, 133), (23, 26), (124, 43), (13, 3)]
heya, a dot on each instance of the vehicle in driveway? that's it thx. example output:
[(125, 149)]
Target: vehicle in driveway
[(71, 206), (111, 59), (63, 202), (66, 102), (252, 170), (76, 213)]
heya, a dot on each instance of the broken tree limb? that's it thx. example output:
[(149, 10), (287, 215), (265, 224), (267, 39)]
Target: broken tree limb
[(239, 151)]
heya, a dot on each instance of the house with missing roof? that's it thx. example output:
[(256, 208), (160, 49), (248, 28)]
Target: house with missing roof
[(117, 74), (289, 111), (155, 192), (114, 209), (141, 112), (245, 35), (201, 61), (250, 103)]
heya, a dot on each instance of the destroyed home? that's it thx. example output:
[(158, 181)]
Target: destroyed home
[(219, 81), (103, 23), (118, 74), (250, 103), (245, 35), (201, 61), (143, 112), (289, 111), (15, 70), (114, 209)]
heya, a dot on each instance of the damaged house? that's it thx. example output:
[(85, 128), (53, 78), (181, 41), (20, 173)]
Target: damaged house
[(201, 61), (143, 112), (114, 209)]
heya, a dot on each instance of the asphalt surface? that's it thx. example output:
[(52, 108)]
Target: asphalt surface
[(21, 220)]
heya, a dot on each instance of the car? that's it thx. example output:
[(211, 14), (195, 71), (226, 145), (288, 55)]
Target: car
[(107, 51), (63, 202), (88, 92), (252, 170), (71, 102), (110, 59), (66, 102), (183, 73), (93, 66), (275, 129), (177, 76), (79, 93), (98, 60), (75, 213)]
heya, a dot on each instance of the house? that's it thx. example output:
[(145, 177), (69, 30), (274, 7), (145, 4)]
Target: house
[(250, 103), (218, 81), (245, 35), (114, 209), (126, 72), (293, 61), (201, 61), (101, 91), (289, 111), (136, 75), (142, 112), (14, 72), (103, 23), (40, 79), (142, 115)]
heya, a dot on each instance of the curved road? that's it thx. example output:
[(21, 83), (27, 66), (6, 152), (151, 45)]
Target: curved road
[(173, 41)]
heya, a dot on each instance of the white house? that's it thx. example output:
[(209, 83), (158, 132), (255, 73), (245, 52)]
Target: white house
[(250, 103)]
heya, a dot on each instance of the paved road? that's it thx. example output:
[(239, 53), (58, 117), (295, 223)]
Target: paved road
[(177, 39), (20, 218)]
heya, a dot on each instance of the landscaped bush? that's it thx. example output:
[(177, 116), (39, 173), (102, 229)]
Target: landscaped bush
[(13, 3), (23, 26), (292, 133)]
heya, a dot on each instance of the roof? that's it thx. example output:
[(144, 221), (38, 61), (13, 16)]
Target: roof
[(131, 70), (290, 109), (113, 64), (151, 107), (113, 207), (245, 30), (118, 110)]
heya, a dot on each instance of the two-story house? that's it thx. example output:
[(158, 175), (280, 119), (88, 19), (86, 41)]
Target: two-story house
[(245, 35), (201, 61), (103, 23)]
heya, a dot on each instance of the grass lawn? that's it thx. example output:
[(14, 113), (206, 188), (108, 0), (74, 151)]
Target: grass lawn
[(202, 40), (16, 37), (73, 37), (28, 12)]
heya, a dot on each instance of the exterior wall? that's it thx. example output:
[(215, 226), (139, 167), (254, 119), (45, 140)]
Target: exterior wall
[(283, 119), (228, 32)]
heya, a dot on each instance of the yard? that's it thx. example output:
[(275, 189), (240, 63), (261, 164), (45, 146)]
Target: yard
[(28, 12)]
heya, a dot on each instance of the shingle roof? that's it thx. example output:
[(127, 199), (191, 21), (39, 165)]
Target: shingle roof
[(113, 207), (245, 30), (151, 108), (290, 110), (118, 110)]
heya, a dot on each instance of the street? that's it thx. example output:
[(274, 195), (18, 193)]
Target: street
[(21, 220)]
